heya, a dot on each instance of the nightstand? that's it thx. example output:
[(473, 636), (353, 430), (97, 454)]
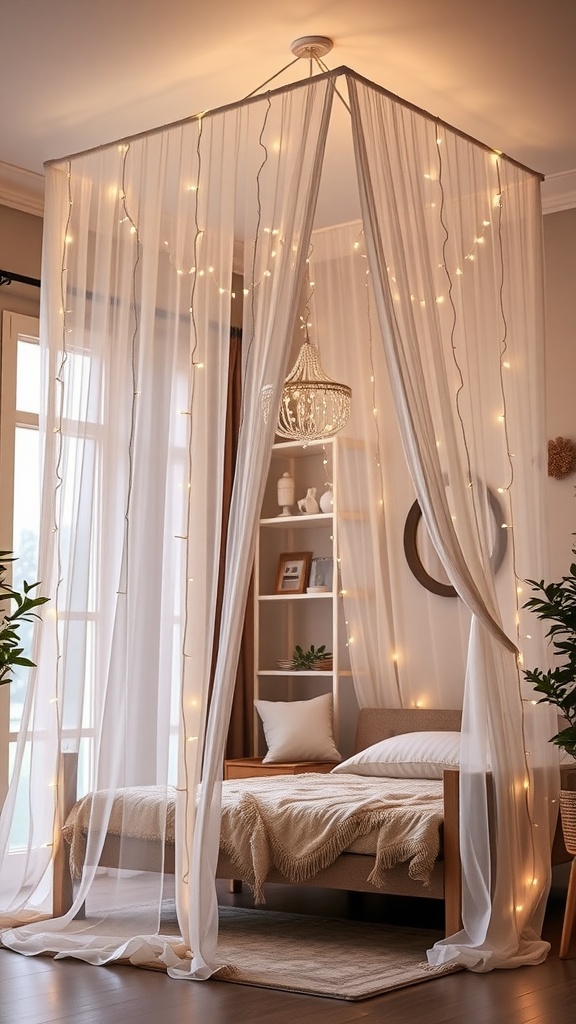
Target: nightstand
[(250, 767)]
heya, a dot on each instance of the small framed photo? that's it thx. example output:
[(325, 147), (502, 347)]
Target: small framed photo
[(293, 570), (321, 574)]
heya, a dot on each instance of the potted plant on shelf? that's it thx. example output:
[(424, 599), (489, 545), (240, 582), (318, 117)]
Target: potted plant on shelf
[(317, 659), (556, 605), (11, 649)]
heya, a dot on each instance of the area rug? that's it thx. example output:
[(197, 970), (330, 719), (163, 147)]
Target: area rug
[(322, 956)]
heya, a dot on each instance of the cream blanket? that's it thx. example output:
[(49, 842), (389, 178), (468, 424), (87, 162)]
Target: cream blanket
[(138, 812), (298, 824)]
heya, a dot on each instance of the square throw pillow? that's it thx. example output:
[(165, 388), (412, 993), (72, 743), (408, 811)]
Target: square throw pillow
[(412, 755), (298, 730)]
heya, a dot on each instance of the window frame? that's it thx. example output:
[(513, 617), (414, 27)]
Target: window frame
[(15, 327)]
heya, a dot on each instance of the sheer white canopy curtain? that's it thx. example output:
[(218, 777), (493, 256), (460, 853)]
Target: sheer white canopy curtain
[(138, 267), (453, 239), (430, 308)]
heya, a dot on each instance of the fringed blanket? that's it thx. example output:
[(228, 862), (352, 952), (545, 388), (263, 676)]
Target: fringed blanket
[(298, 824), (137, 812)]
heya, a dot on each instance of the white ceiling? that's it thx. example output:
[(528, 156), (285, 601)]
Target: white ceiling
[(78, 73)]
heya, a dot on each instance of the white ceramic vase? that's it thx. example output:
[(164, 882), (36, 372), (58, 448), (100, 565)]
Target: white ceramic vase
[(327, 500)]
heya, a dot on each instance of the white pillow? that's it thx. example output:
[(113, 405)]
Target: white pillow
[(298, 730), (412, 755)]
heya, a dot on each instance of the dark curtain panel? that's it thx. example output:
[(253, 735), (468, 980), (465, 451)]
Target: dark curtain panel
[(240, 735)]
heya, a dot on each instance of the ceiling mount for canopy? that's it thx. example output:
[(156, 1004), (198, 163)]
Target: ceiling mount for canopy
[(311, 46)]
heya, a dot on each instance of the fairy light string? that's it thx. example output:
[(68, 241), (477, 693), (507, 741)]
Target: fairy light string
[(134, 340), (499, 254), (59, 381), (467, 262), (458, 394), (212, 277), (209, 276), (190, 731), (526, 786), (469, 256), (386, 575), (57, 496), (255, 254)]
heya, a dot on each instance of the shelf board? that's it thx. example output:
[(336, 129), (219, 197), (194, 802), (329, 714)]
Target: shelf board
[(293, 672), (296, 597), (299, 449), (298, 522)]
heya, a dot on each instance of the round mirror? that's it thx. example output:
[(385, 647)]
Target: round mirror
[(423, 559)]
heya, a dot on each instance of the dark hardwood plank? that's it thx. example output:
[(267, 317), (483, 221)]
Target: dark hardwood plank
[(39, 990)]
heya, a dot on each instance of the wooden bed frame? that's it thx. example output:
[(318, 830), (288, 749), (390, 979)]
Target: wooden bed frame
[(349, 871)]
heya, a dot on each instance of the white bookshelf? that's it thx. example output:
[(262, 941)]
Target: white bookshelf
[(282, 620)]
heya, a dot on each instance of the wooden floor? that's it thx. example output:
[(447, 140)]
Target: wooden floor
[(38, 990)]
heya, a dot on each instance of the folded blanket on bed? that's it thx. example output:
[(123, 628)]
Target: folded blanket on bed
[(298, 824)]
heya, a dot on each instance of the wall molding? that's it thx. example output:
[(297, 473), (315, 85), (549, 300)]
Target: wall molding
[(559, 192), (21, 189), (24, 190)]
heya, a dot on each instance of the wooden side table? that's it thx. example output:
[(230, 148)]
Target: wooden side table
[(251, 767)]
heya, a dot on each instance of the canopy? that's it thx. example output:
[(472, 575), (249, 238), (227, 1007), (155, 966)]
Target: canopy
[(430, 308)]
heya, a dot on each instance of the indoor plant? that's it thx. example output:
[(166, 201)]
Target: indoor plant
[(557, 606), (11, 649), (313, 658)]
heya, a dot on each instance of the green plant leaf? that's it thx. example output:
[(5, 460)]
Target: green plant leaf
[(11, 653), (302, 660), (557, 607)]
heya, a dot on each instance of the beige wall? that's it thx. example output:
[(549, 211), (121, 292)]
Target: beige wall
[(20, 252), (560, 290)]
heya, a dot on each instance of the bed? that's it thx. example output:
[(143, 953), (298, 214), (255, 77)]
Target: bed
[(349, 869)]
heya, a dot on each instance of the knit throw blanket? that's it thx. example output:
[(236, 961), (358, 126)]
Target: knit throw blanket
[(298, 824)]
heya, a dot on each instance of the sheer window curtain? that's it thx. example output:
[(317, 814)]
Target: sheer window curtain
[(452, 238), (138, 268)]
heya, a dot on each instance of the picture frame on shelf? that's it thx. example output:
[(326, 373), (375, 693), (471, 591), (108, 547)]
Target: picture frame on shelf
[(321, 574), (293, 572)]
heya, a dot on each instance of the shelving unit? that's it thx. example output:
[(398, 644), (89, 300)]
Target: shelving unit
[(282, 620)]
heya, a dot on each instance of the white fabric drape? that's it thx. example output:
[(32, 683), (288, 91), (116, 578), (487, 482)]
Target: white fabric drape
[(399, 629), (409, 646), (442, 345), (286, 216), (136, 320), (453, 244)]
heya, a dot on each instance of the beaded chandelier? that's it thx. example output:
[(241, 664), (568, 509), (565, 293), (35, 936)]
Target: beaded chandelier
[(312, 406)]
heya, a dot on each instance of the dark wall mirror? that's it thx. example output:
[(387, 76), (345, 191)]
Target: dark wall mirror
[(423, 559)]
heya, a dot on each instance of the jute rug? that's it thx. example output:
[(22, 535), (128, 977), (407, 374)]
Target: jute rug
[(322, 956)]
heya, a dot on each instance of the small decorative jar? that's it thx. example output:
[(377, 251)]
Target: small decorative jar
[(285, 494)]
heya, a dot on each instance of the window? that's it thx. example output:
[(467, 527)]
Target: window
[(19, 488)]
